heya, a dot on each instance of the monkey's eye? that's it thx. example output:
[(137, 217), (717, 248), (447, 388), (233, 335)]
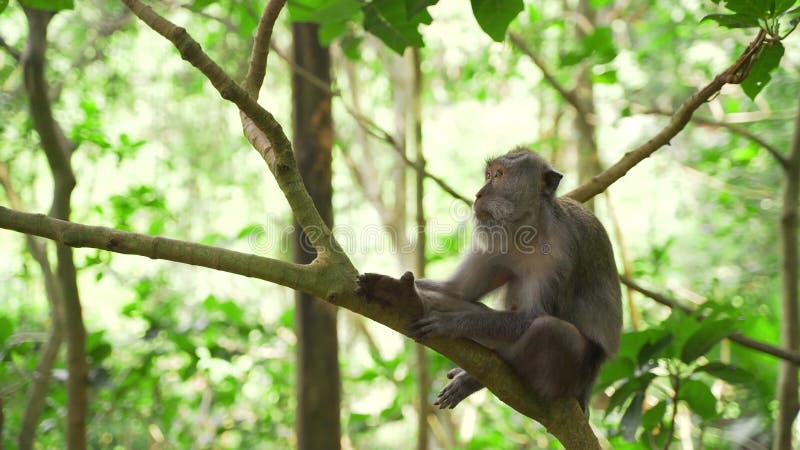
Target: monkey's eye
[(498, 173)]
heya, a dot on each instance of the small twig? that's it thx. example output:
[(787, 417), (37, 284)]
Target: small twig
[(369, 126), (739, 338), (568, 94), (735, 129), (9, 49), (261, 44)]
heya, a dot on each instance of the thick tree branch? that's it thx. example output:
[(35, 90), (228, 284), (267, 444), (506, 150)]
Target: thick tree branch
[(790, 328), (295, 276), (739, 338), (58, 150), (563, 418), (733, 74)]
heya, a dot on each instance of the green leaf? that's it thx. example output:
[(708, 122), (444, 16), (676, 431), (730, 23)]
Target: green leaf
[(494, 16), (744, 154), (759, 75), (597, 4), (607, 77), (699, 398), (414, 7), (709, 334), (623, 392), (3, 5), (619, 368), (632, 342), (652, 349), (781, 6), (794, 16), (49, 5), (329, 31), (6, 327), (323, 11), (387, 20), (726, 372), (652, 417), (198, 5), (601, 42), (97, 347), (599, 45), (732, 20), (632, 417), (756, 9)]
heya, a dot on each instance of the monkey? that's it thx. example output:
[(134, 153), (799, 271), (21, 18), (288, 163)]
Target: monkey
[(562, 314)]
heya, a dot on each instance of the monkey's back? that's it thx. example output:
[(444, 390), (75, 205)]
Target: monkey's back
[(591, 289)]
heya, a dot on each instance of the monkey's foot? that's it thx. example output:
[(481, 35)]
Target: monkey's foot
[(461, 387), (391, 292)]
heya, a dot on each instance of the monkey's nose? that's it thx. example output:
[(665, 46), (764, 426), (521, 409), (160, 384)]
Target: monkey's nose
[(478, 195)]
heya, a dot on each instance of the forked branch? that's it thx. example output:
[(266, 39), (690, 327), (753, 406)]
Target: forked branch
[(733, 74)]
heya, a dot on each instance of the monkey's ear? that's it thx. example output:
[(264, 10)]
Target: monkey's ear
[(551, 179)]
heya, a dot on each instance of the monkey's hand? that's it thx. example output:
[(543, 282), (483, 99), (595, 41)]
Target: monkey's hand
[(461, 386), (391, 292), (435, 324)]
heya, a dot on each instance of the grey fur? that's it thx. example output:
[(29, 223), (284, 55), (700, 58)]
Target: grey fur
[(563, 312)]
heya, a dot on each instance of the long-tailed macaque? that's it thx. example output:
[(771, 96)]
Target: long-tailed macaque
[(563, 314)]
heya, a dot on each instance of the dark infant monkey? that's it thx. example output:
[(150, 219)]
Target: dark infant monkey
[(563, 312)]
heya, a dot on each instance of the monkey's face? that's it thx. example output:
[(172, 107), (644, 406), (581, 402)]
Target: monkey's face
[(515, 186), (498, 201)]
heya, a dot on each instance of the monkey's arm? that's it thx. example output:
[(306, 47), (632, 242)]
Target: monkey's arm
[(495, 330), (475, 277)]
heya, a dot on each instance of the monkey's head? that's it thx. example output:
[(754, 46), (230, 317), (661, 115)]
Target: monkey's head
[(517, 185)]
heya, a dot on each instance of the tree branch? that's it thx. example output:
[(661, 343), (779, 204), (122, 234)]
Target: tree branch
[(35, 400), (733, 74), (369, 126), (261, 44), (559, 417), (58, 150), (739, 338), (568, 95), (735, 129), (790, 329), (295, 276), (261, 129), (9, 49)]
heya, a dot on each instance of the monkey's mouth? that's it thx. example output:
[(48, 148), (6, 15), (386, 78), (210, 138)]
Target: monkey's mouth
[(481, 214)]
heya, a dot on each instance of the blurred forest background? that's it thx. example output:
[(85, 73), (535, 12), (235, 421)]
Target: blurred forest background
[(180, 356)]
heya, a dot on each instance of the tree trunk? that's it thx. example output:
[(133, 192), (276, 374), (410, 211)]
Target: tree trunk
[(318, 385), (423, 371), (790, 336)]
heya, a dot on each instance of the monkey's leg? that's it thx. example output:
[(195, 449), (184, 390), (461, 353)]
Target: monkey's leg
[(461, 386), (493, 329), (554, 358)]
